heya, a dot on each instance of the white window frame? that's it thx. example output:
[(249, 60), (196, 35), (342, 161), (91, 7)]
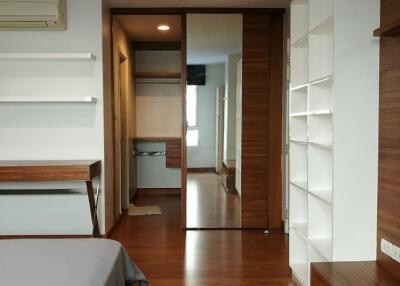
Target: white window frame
[(195, 126)]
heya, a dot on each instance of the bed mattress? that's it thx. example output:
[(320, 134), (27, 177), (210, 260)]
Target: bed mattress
[(78, 262)]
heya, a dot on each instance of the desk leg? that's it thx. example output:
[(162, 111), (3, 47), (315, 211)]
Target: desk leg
[(93, 209)]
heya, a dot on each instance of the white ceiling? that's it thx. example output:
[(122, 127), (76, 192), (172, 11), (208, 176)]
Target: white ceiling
[(211, 37), (144, 27), (199, 3)]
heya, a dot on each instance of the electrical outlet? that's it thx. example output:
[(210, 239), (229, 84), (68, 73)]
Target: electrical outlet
[(386, 247), (396, 253), (390, 250)]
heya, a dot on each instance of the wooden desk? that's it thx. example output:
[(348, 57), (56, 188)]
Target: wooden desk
[(53, 171), (363, 273)]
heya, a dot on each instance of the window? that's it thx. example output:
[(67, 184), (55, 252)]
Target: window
[(192, 134)]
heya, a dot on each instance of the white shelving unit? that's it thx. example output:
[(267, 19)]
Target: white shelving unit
[(333, 152)]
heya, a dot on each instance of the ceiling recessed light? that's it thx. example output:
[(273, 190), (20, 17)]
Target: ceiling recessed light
[(163, 28)]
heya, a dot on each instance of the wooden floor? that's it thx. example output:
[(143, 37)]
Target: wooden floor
[(208, 204), (171, 257)]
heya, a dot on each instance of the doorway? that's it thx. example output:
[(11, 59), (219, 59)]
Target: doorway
[(214, 53), (258, 168)]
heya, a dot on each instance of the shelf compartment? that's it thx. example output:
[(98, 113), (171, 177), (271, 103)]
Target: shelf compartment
[(302, 185), (319, 219), (299, 19), (319, 11), (323, 247), (298, 257), (301, 229), (298, 208), (298, 163), (298, 100), (324, 195), (321, 127), (320, 164), (320, 56), (299, 64), (47, 56), (298, 128), (49, 99), (320, 95), (390, 30)]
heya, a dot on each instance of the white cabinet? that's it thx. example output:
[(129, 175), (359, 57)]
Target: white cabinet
[(334, 75)]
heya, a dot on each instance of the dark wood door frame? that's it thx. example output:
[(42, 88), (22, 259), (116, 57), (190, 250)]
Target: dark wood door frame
[(273, 209)]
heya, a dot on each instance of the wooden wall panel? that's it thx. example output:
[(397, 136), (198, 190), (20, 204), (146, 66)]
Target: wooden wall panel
[(275, 125), (262, 89), (173, 153), (389, 138)]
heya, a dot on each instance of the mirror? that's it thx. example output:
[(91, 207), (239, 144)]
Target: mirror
[(213, 115)]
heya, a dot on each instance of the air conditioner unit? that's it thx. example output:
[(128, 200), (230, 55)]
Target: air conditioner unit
[(32, 15)]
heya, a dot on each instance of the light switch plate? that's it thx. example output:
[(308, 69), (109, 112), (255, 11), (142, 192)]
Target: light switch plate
[(390, 249)]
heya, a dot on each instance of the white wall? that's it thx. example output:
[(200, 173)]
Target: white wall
[(52, 131), (230, 106), (203, 155)]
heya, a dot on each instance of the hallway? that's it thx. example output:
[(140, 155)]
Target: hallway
[(209, 205), (172, 257)]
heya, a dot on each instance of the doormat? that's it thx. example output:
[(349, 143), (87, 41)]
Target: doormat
[(143, 210)]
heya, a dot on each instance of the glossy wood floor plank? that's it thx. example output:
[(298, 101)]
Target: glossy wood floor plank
[(208, 205), (170, 256)]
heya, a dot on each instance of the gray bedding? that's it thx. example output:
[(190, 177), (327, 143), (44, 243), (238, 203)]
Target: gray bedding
[(78, 262)]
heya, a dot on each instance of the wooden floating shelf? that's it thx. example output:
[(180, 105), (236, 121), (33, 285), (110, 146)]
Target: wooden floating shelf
[(325, 196), (158, 75), (47, 56), (49, 99), (390, 30), (156, 139)]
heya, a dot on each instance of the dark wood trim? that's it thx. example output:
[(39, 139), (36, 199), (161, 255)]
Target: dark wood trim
[(156, 46), (390, 30), (45, 236), (202, 170), (183, 139), (159, 191), (93, 209), (109, 132), (115, 225), (195, 10)]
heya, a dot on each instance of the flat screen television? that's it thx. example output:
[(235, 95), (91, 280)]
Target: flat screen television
[(196, 75)]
